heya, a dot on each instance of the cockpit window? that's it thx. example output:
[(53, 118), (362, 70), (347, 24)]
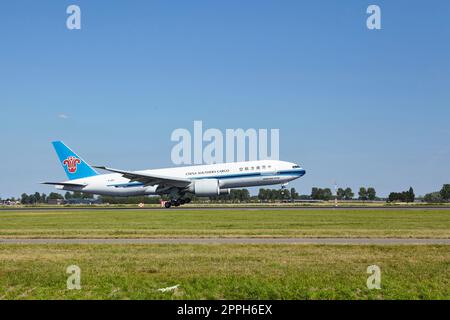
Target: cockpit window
[(296, 166)]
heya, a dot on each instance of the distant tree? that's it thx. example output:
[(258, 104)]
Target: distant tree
[(344, 194), (434, 197), (245, 195), (274, 194), (315, 193), (294, 194), (393, 196), (362, 193), (77, 195), (349, 194), (32, 198), (262, 194), (327, 194), (371, 193), (37, 197), (405, 196), (241, 195), (340, 194), (54, 196), (321, 194), (285, 194), (24, 198), (411, 196), (68, 195), (445, 192)]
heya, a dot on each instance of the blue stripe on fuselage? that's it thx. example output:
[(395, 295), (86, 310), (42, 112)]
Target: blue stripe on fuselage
[(256, 174), (298, 173)]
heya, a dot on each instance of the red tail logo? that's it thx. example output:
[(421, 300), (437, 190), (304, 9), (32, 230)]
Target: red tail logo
[(71, 163)]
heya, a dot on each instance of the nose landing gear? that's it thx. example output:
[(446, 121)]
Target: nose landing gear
[(283, 188)]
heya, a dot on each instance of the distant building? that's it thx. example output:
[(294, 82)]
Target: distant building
[(55, 201), (8, 202)]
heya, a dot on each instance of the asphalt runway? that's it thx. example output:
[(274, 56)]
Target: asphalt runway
[(326, 241), (226, 208)]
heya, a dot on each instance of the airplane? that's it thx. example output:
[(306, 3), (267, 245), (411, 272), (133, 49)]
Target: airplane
[(177, 182)]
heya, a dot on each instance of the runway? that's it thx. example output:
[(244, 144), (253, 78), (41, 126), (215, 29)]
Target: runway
[(202, 241)]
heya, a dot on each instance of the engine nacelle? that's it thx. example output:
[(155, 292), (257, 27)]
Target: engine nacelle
[(207, 188)]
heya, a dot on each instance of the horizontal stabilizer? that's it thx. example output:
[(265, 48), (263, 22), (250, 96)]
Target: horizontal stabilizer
[(66, 184)]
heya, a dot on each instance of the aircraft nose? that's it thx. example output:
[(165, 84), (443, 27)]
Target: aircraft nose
[(302, 172)]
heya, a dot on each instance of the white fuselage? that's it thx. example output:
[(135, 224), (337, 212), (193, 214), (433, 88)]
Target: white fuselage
[(229, 175)]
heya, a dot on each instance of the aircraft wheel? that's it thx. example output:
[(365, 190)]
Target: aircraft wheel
[(168, 204)]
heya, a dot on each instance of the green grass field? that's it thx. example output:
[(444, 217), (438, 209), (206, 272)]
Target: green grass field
[(225, 271), (420, 223)]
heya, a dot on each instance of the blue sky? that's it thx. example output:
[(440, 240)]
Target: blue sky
[(364, 108)]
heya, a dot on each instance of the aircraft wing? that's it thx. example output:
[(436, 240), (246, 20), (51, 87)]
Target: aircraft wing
[(65, 184), (150, 179)]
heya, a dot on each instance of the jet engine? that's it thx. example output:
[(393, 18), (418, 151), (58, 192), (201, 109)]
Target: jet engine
[(207, 188)]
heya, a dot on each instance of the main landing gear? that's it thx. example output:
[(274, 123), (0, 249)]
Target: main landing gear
[(176, 202)]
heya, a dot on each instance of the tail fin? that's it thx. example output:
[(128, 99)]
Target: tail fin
[(75, 167)]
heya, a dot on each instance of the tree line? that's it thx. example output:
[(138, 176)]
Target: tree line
[(405, 196), (236, 195), (41, 198), (37, 197), (439, 196), (343, 194), (243, 195)]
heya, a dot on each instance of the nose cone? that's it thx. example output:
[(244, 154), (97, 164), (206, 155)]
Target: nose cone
[(302, 172)]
